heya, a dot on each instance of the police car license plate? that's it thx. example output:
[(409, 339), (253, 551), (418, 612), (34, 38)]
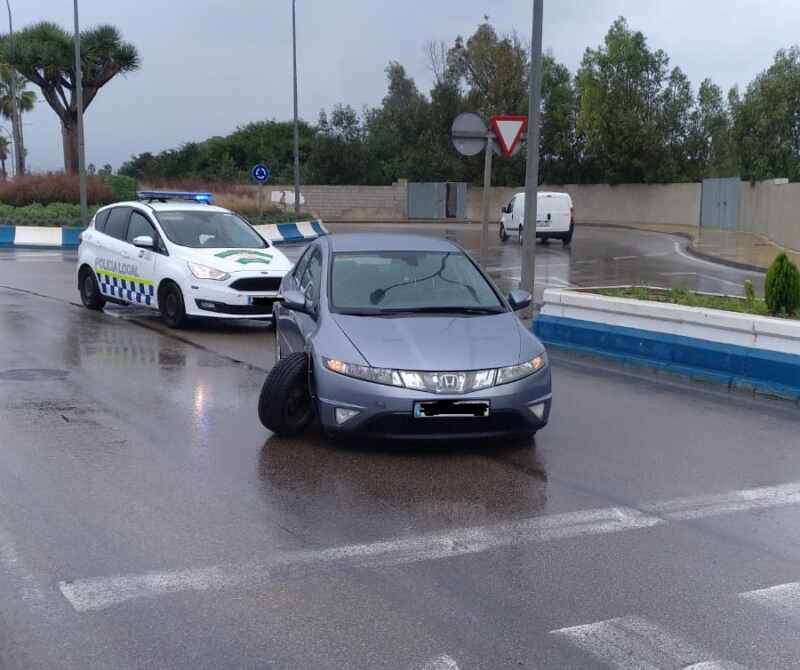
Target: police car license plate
[(451, 408)]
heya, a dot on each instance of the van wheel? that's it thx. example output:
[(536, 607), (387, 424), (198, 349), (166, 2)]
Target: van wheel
[(285, 405), (171, 305), (503, 233), (520, 235), (90, 291), (567, 239)]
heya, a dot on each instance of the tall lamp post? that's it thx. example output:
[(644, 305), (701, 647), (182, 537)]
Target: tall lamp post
[(79, 100), (296, 130), (16, 126)]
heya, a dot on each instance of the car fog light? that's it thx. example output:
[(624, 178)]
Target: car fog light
[(343, 414), (205, 304), (538, 410)]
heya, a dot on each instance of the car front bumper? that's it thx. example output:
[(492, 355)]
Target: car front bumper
[(388, 411), (208, 299)]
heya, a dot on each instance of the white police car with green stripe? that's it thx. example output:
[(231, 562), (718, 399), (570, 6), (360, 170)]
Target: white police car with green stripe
[(181, 255)]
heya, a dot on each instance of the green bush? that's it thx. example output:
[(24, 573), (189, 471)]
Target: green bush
[(56, 214), (124, 188), (782, 289)]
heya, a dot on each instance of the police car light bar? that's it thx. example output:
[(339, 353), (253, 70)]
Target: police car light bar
[(163, 196)]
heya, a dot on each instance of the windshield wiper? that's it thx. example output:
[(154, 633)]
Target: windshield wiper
[(450, 309)]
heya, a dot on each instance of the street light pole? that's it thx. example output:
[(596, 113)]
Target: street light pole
[(16, 126), (79, 100), (296, 129), (532, 165)]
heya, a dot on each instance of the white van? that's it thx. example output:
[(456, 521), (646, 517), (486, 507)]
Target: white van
[(555, 217)]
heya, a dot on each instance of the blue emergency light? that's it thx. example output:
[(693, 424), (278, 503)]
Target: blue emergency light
[(163, 196)]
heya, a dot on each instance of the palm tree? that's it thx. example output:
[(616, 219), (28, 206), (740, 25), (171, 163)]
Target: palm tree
[(3, 156), (25, 100)]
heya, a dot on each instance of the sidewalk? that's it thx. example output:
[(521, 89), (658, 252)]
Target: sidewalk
[(730, 247)]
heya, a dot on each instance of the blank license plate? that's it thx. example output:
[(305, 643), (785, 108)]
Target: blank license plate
[(451, 408)]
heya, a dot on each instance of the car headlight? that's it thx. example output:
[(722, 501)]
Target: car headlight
[(515, 372), (365, 372), (205, 272)]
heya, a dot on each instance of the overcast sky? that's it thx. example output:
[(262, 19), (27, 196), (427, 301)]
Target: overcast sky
[(210, 65)]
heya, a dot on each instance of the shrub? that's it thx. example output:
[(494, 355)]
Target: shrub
[(782, 289), (52, 188), (123, 188), (56, 214), (749, 291)]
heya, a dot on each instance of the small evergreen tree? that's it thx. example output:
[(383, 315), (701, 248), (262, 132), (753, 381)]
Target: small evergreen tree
[(782, 289)]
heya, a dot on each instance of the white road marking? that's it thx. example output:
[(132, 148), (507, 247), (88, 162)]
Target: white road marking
[(443, 662), (11, 564), (783, 599), (634, 643), (100, 593), (594, 260), (659, 254), (722, 281), (624, 258), (702, 261), (678, 274)]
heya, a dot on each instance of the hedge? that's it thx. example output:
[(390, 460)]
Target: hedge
[(56, 214)]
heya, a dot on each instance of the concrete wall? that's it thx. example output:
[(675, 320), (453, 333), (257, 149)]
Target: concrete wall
[(772, 210), (601, 203), (352, 203)]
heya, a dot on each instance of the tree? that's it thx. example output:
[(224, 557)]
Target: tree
[(3, 156), (558, 148), (44, 54), (711, 152), (91, 169), (766, 120), (105, 171), (620, 86), (9, 79)]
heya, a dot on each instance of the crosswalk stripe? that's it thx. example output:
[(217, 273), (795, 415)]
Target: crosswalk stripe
[(635, 643)]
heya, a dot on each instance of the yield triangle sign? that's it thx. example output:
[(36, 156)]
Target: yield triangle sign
[(508, 129)]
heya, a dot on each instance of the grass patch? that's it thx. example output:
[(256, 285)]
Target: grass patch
[(679, 296)]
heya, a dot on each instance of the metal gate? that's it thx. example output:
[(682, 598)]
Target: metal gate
[(427, 200), (719, 206)]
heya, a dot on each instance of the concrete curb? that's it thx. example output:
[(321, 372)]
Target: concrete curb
[(760, 354), (52, 237)]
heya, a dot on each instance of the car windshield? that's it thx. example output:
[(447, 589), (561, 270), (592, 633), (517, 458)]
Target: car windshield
[(200, 229), (410, 281)]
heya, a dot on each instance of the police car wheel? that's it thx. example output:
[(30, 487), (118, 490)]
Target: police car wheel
[(90, 292), (285, 405), (170, 303)]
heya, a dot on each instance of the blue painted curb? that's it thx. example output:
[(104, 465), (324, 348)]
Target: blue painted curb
[(761, 370), (290, 233)]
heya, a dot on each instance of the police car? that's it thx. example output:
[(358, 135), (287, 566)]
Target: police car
[(181, 255)]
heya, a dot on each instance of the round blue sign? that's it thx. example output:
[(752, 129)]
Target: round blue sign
[(260, 173)]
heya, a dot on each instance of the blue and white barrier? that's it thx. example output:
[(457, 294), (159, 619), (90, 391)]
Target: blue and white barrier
[(69, 238), (39, 236), (288, 233), (743, 351)]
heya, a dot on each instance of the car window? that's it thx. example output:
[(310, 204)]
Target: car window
[(117, 222), (209, 229), (309, 280), (138, 226), (100, 220), (300, 266)]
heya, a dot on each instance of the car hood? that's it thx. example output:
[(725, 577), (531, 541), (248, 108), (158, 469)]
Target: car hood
[(268, 260), (435, 342)]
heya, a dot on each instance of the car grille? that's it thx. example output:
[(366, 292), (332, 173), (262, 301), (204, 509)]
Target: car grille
[(405, 425), (257, 284)]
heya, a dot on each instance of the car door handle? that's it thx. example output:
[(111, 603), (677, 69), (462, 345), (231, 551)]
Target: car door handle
[(125, 254)]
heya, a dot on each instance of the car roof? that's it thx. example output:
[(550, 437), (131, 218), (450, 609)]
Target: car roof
[(349, 242), (170, 206)]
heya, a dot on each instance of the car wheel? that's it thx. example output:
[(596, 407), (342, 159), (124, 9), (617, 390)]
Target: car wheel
[(545, 240), (171, 305), (520, 235), (285, 405), (503, 233), (567, 239), (90, 291)]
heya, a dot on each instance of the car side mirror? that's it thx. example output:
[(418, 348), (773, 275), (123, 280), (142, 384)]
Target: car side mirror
[(519, 299), (143, 242), (296, 301)]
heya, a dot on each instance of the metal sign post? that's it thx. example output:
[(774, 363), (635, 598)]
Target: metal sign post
[(487, 185), (260, 175)]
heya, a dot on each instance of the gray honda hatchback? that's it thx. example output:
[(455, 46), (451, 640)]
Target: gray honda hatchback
[(402, 336)]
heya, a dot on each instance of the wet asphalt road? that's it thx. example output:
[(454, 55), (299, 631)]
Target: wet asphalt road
[(147, 520)]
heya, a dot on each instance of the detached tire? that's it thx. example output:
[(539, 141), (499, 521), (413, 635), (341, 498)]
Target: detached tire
[(90, 291), (285, 406)]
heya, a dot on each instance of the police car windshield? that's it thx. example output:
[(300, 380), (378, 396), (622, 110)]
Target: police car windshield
[(200, 229)]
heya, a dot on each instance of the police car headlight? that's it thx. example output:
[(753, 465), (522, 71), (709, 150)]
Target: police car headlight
[(205, 272)]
